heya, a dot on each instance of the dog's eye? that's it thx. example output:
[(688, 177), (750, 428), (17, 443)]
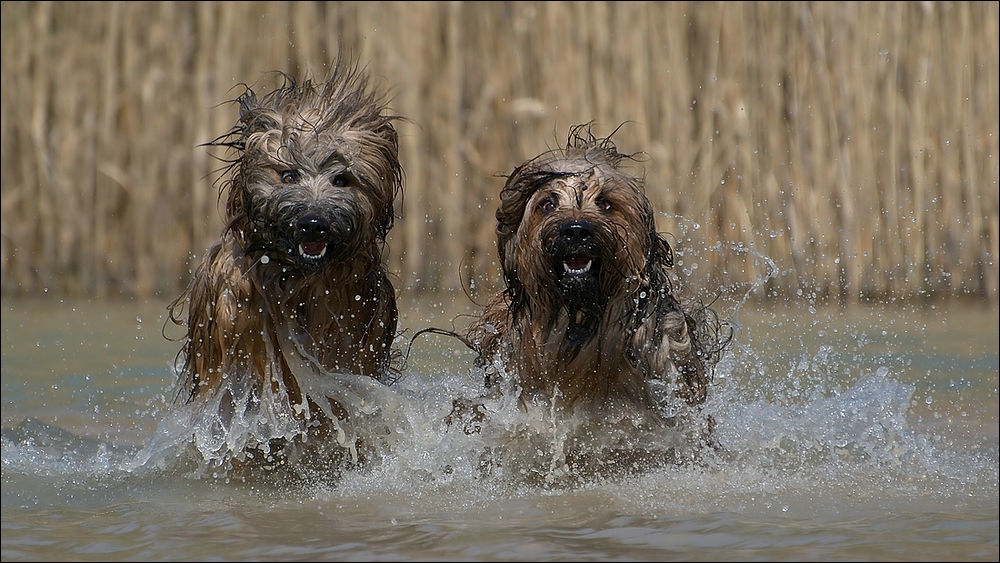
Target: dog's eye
[(290, 177), (603, 203), (547, 205), (344, 178)]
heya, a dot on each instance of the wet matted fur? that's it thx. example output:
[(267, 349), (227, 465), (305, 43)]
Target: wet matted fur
[(291, 315), (591, 325)]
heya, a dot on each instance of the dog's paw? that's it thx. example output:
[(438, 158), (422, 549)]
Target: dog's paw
[(467, 414)]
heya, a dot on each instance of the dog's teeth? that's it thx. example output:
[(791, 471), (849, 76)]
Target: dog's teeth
[(306, 254), (582, 270)]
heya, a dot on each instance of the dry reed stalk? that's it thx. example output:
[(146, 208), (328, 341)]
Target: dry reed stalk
[(855, 144)]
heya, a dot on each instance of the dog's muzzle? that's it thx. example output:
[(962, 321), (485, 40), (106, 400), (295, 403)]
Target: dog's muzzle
[(318, 238), (574, 249), (312, 232), (576, 256)]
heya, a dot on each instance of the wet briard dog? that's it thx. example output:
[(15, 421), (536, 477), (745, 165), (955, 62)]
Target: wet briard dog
[(291, 316), (591, 326)]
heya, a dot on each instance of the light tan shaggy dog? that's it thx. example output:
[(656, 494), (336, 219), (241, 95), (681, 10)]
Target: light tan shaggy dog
[(291, 316)]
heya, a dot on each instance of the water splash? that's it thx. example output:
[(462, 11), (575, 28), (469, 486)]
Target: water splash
[(820, 420), (854, 437), (35, 447), (217, 436)]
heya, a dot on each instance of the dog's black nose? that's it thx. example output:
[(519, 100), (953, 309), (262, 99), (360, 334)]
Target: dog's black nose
[(313, 226), (576, 231)]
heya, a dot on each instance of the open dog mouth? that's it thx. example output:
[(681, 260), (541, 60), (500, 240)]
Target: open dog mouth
[(577, 264), (309, 242), (312, 250), (576, 267), (314, 233), (574, 251), (577, 280)]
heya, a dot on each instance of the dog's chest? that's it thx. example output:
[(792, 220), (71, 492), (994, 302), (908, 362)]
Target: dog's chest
[(578, 364)]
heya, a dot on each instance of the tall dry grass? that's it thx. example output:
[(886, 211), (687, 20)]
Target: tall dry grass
[(855, 145)]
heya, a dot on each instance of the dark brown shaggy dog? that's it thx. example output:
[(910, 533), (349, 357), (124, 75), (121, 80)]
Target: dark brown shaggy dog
[(295, 294), (590, 327)]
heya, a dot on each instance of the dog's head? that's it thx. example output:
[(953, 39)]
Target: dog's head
[(575, 230), (316, 175)]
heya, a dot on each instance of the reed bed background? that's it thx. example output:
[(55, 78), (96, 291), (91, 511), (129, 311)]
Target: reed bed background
[(854, 145)]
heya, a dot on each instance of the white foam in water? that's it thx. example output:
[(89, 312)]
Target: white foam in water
[(255, 422), (34, 447)]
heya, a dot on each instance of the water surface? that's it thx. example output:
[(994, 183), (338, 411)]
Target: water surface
[(866, 433)]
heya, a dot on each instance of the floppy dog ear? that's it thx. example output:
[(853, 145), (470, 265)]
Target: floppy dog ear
[(665, 254), (521, 184), (513, 198)]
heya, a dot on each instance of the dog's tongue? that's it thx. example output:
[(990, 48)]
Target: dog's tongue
[(312, 248), (576, 263)]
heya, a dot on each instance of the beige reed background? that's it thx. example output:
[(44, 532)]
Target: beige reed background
[(855, 145)]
